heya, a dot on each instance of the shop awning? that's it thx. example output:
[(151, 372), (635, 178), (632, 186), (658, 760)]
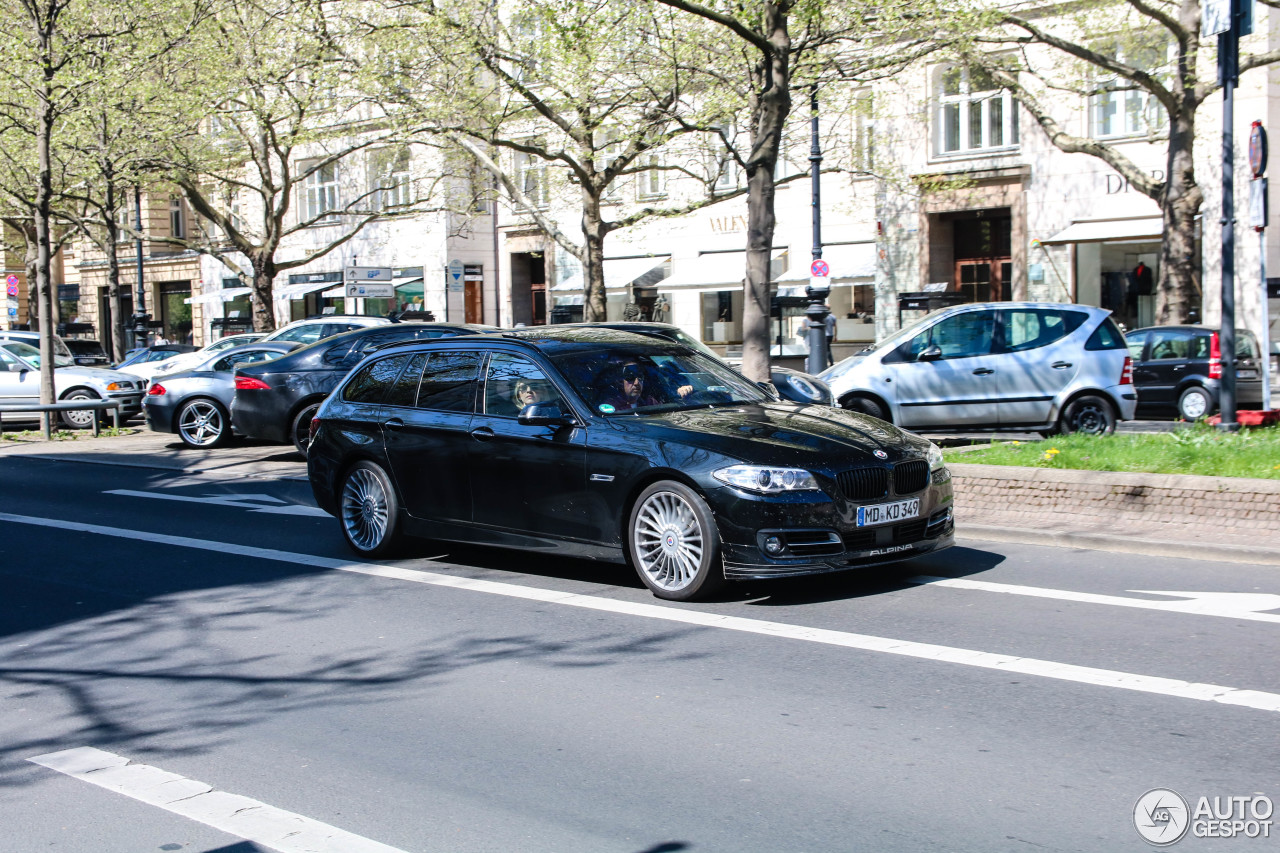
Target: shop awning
[(297, 291), (619, 273), (856, 260), (224, 295), (1109, 231), (717, 271)]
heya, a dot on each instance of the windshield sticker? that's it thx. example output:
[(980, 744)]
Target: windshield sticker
[(607, 409)]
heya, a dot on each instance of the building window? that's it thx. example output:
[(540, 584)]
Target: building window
[(863, 132), (321, 201), (124, 220), (653, 182), (177, 218), (1121, 108), (531, 174), (973, 113), (389, 171)]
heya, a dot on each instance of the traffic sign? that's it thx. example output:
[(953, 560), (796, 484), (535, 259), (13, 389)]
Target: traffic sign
[(11, 289), (1258, 149), (370, 291), (11, 280), (819, 269), (369, 274), (456, 269)]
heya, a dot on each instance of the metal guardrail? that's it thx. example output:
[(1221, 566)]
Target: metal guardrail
[(77, 406)]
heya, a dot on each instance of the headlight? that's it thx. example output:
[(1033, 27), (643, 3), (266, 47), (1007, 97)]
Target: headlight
[(119, 386), (804, 387), (935, 458), (766, 481)]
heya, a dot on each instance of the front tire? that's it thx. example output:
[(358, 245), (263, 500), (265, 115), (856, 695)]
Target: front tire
[(300, 429), (866, 406), (369, 511), (1090, 415), (1194, 404), (203, 423), (674, 544), (79, 420)]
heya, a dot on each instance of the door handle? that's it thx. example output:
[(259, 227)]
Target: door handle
[(394, 423), (482, 433), (983, 371), (1061, 365)]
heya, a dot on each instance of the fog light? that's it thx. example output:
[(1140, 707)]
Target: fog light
[(773, 545)]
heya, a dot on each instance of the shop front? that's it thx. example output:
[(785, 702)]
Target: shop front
[(1116, 265)]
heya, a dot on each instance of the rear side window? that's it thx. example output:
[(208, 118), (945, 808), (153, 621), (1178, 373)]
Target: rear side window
[(372, 382), (1107, 336), (405, 390), (1031, 328), (449, 382)]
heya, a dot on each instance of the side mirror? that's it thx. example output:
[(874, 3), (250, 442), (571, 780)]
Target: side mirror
[(933, 352), (543, 414), (770, 389)]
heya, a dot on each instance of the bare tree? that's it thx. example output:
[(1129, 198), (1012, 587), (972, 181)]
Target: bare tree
[(1148, 49)]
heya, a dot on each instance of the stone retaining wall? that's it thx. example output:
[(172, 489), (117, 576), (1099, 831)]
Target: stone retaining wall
[(1224, 509)]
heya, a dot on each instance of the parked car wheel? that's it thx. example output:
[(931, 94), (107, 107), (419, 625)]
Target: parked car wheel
[(674, 544), (203, 423), (82, 419), (865, 405), (1090, 415), (1194, 403), (369, 511), (301, 428)]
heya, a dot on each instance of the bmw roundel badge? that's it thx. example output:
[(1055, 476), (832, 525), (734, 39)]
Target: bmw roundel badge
[(880, 454)]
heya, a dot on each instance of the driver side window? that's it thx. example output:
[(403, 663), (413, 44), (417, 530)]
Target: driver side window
[(959, 336)]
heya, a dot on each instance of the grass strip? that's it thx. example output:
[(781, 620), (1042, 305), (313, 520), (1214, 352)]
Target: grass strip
[(1198, 449)]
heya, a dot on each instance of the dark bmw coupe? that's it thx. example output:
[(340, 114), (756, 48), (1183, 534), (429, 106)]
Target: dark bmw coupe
[(620, 447)]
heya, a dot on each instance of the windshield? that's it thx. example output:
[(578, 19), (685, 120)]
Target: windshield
[(645, 379), (31, 355)]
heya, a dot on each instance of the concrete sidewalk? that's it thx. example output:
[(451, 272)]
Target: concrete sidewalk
[(1209, 518)]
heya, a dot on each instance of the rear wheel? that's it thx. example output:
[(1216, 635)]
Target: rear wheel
[(1194, 404), (369, 511), (866, 406), (203, 423), (82, 419), (674, 544), (1090, 414), (300, 430)]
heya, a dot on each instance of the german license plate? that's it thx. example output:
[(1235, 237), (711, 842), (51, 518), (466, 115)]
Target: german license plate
[(869, 516), (1247, 374)]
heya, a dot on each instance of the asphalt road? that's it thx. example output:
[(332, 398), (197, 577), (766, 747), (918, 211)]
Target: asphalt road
[(218, 631)]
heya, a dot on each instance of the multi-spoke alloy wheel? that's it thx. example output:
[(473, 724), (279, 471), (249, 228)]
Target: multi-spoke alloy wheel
[(368, 511), (674, 543), (82, 419), (202, 423)]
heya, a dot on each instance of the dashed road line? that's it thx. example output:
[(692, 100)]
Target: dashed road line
[(1157, 685), (236, 815)]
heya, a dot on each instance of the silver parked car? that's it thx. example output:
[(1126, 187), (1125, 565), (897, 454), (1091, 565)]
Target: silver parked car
[(20, 383), (1047, 367), (196, 403)]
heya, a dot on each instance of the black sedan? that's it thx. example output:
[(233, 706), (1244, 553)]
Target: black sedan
[(275, 401), (620, 447)]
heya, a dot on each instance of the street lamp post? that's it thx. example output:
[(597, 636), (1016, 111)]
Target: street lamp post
[(140, 316), (818, 288), (1229, 75)]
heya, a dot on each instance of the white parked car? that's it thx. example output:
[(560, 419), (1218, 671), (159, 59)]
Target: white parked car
[(20, 384), (188, 360), (313, 329), (1047, 367)]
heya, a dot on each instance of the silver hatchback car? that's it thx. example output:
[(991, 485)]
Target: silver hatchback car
[(1028, 366)]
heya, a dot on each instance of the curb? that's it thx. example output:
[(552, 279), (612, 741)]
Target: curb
[(153, 467), (1122, 544)]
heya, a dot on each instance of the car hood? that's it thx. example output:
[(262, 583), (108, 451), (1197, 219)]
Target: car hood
[(779, 434), (97, 376)]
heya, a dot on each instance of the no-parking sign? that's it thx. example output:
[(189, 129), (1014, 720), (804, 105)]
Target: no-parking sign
[(819, 269)]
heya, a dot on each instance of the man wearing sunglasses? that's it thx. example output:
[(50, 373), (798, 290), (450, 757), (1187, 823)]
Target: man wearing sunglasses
[(631, 391)]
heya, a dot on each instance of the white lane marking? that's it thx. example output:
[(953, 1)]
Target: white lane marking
[(1232, 605), (245, 818), (238, 501), (863, 642)]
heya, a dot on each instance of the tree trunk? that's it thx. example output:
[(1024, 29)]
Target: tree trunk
[(773, 103), (1178, 291), (44, 254), (595, 308), (262, 297)]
